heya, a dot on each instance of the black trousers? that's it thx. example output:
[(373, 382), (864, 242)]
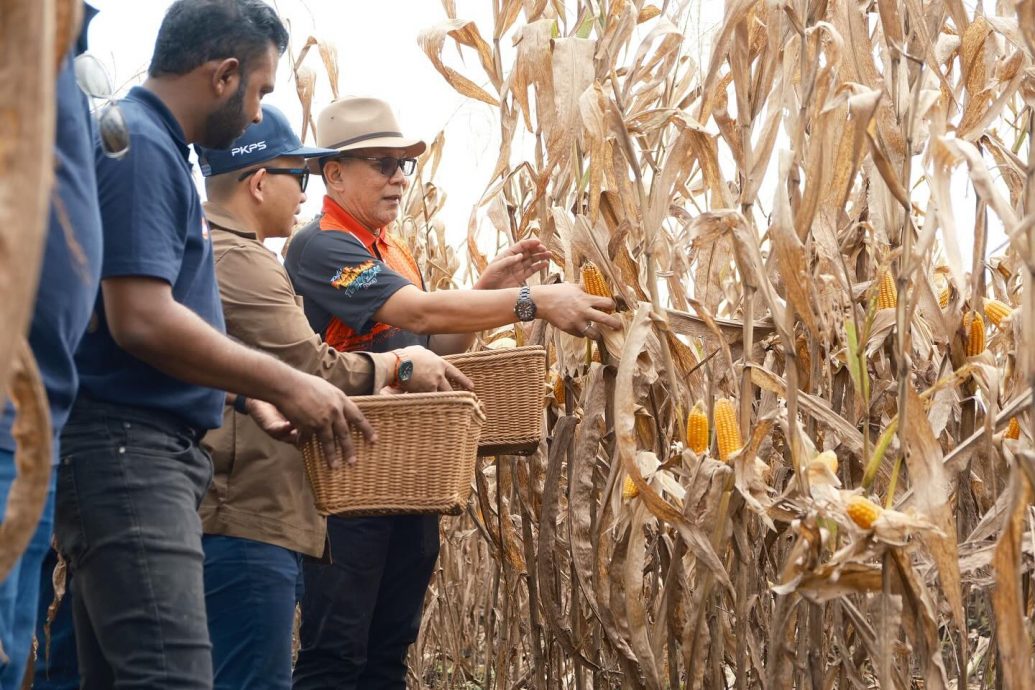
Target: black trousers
[(126, 519), (361, 613)]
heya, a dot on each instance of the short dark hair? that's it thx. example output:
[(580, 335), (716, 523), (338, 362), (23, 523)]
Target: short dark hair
[(194, 32)]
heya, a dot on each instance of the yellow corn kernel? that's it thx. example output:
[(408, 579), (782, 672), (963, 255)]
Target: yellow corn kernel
[(863, 511), (975, 335), (697, 429), (996, 311), (629, 489), (887, 298), (727, 431), (593, 281), (828, 458), (1013, 429), (943, 297), (557, 386)]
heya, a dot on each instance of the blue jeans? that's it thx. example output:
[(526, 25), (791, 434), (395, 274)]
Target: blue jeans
[(250, 592), (361, 613), (128, 489), (56, 665), (19, 592)]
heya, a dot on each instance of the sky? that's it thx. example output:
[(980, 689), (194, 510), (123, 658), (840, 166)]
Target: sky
[(379, 56)]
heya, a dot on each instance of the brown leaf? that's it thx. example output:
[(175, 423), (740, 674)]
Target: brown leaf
[(463, 32), (931, 494), (1012, 637)]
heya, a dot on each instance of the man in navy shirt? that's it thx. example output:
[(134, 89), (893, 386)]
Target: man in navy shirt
[(67, 288), (154, 361)]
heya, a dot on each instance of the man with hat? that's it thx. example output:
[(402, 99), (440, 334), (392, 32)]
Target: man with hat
[(258, 515), (363, 291)]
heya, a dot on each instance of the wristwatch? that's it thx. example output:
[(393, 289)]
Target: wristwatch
[(403, 370), (525, 308)]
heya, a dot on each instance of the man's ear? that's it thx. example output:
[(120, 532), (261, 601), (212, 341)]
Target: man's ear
[(332, 172), (226, 76), (257, 184)]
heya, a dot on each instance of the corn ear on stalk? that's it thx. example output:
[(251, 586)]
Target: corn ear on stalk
[(629, 490), (593, 281), (996, 311), (557, 386), (1013, 429), (887, 298), (975, 335), (863, 511), (943, 297), (727, 431), (697, 429)]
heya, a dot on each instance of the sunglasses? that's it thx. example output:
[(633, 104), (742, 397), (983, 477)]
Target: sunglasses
[(93, 80), (388, 164), (301, 173)]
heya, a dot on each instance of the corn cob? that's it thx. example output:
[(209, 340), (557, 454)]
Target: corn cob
[(593, 281), (943, 297), (863, 511), (697, 429), (1013, 429), (828, 458), (557, 386), (629, 489), (727, 432), (887, 298), (996, 311), (975, 335)]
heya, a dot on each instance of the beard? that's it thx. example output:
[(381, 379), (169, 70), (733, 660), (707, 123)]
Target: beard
[(224, 126)]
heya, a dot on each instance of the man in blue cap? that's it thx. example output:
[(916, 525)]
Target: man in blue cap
[(258, 516)]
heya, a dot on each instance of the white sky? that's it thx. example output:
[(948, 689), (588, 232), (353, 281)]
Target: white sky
[(378, 56)]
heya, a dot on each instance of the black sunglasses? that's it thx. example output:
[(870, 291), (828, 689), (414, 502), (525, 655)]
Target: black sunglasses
[(388, 164), (301, 173)]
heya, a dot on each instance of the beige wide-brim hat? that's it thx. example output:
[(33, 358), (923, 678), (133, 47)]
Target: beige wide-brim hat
[(363, 123)]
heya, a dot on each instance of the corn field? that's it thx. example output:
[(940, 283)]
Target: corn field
[(806, 461)]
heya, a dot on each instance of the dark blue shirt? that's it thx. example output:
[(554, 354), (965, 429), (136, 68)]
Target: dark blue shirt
[(153, 227), (71, 257)]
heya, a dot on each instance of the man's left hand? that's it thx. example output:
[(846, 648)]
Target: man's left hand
[(270, 420), (514, 265)]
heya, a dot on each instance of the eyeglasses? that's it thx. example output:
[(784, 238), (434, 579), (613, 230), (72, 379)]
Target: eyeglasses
[(388, 164), (301, 173)]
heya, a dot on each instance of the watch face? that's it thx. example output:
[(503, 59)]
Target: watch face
[(525, 310), (405, 370)]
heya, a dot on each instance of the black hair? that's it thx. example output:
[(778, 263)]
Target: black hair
[(194, 32)]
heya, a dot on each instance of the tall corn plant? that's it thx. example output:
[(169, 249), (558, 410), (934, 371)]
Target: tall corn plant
[(34, 36), (778, 225)]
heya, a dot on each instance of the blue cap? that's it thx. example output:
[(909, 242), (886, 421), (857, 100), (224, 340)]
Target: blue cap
[(269, 139)]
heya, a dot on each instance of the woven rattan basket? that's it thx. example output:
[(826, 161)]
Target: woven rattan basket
[(423, 461), (509, 382)]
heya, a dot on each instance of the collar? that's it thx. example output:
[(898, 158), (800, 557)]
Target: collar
[(337, 218), (150, 100), (219, 217)]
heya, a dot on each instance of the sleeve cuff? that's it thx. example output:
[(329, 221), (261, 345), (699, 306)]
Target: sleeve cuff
[(382, 372)]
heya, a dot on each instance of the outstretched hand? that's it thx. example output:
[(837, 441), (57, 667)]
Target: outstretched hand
[(514, 265)]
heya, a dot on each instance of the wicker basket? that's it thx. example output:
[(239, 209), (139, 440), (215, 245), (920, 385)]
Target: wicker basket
[(423, 461), (509, 382)]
